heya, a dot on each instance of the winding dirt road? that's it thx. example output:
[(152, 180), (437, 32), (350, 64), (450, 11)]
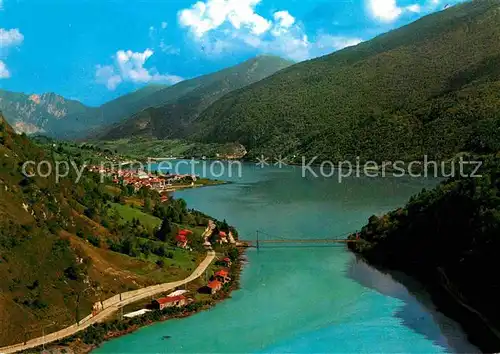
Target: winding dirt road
[(111, 306)]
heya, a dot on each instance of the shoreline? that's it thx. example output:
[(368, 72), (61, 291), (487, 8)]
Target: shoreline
[(77, 345), (183, 187), (477, 332)]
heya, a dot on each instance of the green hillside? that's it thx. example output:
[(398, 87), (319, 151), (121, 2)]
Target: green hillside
[(431, 87), (174, 109), (65, 246), (448, 238)]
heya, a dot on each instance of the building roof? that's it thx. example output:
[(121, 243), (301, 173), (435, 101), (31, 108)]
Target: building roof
[(222, 273), (181, 238), (177, 292), (227, 259), (169, 299), (222, 233), (214, 284), (136, 313), (185, 232)]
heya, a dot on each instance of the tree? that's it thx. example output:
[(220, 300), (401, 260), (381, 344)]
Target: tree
[(164, 231), (147, 205)]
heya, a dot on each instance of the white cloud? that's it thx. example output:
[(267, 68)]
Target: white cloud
[(10, 37), (388, 10), (164, 25), (384, 10), (221, 26), (204, 17), (414, 8), (169, 49), (129, 67), (107, 75), (1, 4), (301, 48), (283, 22), (326, 43), (4, 72)]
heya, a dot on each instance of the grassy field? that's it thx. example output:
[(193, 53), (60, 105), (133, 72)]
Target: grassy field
[(142, 148), (128, 213)]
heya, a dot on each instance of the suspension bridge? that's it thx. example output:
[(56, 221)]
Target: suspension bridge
[(264, 238)]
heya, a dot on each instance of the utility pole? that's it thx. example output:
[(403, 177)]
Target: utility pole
[(43, 334), (258, 246)]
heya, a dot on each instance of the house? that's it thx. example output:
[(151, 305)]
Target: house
[(222, 276), (231, 238), (222, 237), (169, 301), (214, 286), (182, 240), (227, 262), (157, 183)]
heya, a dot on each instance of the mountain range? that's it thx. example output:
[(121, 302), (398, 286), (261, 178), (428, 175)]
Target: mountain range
[(174, 109), (58, 117), (429, 88)]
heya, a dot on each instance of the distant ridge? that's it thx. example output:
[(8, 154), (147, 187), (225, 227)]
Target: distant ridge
[(431, 87), (173, 110), (59, 117)]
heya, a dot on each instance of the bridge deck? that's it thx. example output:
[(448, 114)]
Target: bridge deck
[(301, 241)]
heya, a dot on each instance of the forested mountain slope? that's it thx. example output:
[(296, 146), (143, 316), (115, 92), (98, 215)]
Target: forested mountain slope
[(431, 87), (173, 110), (449, 239), (65, 246)]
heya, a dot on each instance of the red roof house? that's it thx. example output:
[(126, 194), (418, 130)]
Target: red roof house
[(181, 238), (214, 286), (222, 273), (170, 301), (222, 276), (222, 237)]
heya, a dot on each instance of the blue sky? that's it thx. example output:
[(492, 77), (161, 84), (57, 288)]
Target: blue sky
[(96, 50)]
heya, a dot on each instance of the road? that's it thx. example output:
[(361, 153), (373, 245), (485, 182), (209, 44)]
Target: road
[(111, 307)]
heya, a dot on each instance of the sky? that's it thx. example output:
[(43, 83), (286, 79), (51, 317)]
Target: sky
[(96, 50)]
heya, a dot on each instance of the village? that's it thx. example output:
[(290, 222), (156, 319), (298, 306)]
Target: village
[(142, 179), (180, 297)]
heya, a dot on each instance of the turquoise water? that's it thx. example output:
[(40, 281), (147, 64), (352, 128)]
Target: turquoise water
[(303, 299)]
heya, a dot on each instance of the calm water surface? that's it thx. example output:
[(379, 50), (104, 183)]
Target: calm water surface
[(304, 299)]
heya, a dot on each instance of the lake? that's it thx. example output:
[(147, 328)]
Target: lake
[(307, 298)]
